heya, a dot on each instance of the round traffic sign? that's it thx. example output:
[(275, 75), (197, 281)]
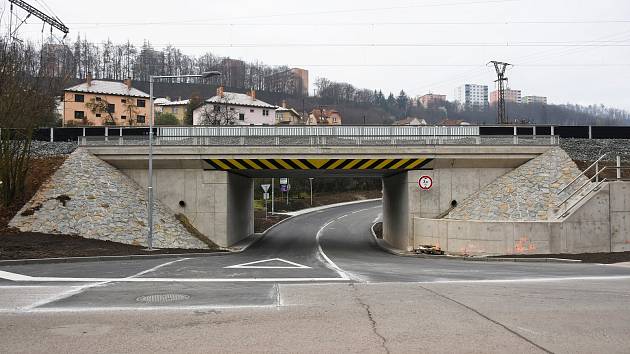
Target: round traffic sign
[(425, 182)]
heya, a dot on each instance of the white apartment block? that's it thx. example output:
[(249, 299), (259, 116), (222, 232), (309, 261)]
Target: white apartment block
[(472, 96), (534, 99)]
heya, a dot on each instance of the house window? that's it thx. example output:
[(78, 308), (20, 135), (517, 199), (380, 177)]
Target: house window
[(79, 98), (79, 114), (122, 100), (241, 116), (251, 111), (141, 103), (265, 112), (231, 108), (123, 117), (111, 108), (140, 119), (217, 108), (98, 115), (98, 99)]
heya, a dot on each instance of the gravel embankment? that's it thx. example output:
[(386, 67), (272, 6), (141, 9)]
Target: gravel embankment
[(592, 149), (47, 149)]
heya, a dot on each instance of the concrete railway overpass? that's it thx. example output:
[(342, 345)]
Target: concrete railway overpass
[(207, 173)]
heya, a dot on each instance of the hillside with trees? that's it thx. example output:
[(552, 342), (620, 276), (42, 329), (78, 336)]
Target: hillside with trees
[(113, 61)]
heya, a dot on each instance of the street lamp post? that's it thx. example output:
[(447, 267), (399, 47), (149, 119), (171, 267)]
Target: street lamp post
[(310, 179), (152, 79)]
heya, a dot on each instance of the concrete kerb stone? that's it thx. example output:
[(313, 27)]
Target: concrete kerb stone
[(107, 258), (389, 249)]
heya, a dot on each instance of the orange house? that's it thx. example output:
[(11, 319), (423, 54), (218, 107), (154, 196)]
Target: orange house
[(99, 102)]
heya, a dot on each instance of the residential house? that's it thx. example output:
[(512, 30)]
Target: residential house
[(231, 108), (176, 108), (324, 117), (411, 121), (288, 116), (99, 102), (158, 103), (453, 122)]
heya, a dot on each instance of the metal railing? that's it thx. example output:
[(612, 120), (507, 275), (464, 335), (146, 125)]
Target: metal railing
[(326, 140), (594, 164), (306, 130), (584, 187)]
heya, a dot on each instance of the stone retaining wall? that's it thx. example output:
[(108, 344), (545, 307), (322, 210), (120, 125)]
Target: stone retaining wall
[(527, 193), (90, 198)]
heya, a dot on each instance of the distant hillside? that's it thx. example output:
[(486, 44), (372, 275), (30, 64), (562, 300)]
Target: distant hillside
[(371, 113)]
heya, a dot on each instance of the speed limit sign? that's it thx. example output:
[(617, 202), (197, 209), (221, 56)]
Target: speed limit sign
[(425, 183)]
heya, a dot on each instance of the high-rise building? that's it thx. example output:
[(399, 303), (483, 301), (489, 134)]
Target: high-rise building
[(510, 95), (534, 99), (472, 96), (431, 100), (293, 81), (233, 73)]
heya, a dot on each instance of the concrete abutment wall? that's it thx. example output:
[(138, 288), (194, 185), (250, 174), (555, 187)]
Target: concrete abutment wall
[(219, 204), (403, 200), (601, 223)]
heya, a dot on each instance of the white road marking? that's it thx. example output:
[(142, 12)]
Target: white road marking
[(324, 258), (157, 267), (141, 308), (26, 278), (250, 265), (75, 289)]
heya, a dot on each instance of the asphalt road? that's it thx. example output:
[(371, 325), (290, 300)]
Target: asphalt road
[(316, 282)]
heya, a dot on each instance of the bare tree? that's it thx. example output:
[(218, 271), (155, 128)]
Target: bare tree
[(100, 106), (27, 100), (219, 112)]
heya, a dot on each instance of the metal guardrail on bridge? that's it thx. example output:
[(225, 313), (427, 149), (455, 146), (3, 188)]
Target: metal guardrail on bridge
[(322, 140), (304, 130)]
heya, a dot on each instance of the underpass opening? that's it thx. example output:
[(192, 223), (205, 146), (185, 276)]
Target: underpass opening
[(289, 182)]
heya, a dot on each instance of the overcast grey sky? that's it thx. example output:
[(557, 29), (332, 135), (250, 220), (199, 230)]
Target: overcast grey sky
[(418, 46)]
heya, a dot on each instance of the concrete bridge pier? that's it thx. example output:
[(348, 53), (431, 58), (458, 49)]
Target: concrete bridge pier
[(402, 201), (218, 204)]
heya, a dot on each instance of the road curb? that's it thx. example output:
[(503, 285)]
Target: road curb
[(382, 244), (108, 258)]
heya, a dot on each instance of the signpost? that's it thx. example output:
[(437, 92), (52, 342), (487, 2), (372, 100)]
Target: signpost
[(285, 187), (425, 183), (265, 188)]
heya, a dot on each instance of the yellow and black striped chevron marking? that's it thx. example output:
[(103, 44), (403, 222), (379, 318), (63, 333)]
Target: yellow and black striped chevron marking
[(316, 164)]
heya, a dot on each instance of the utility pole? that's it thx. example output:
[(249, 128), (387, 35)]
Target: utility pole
[(501, 81), (52, 21), (273, 196)]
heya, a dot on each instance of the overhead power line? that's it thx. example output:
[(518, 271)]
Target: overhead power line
[(575, 65), (83, 25), (421, 5), (366, 45)]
